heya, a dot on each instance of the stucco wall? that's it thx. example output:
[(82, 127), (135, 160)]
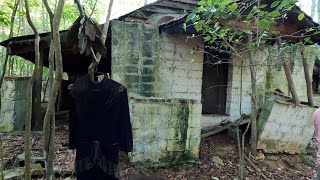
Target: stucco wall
[(164, 85), (284, 127), (13, 105), (180, 69), (270, 76), (165, 131)]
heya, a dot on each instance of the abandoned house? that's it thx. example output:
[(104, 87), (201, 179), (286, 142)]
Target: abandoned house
[(176, 89)]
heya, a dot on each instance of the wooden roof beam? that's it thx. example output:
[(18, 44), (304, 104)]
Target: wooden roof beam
[(177, 5)]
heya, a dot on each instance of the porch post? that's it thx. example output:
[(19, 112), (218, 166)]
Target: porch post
[(36, 96)]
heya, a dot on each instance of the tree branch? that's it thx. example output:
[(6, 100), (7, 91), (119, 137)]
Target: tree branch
[(94, 7), (79, 7), (94, 64), (29, 96)]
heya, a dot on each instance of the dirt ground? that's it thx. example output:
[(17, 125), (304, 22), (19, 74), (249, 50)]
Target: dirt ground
[(219, 159)]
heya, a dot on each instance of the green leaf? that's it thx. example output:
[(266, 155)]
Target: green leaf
[(184, 27), (275, 13), (301, 16), (190, 17), (275, 3), (264, 23), (213, 38), (263, 6), (207, 38), (308, 40), (233, 6)]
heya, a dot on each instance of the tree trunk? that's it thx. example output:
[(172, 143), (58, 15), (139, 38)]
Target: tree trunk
[(29, 96), (95, 62), (2, 158), (2, 77), (13, 15), (4, 67), (49, 116), (307, 77), (47, 123), (36, 97), (254, 133), (288, 73), (313, 8)]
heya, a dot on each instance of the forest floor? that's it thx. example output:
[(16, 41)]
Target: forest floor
[(219, 159)]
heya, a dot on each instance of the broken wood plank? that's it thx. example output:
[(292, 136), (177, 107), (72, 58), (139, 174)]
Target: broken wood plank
[(163, 9), (222, 128), (178, 5), (194, 2)]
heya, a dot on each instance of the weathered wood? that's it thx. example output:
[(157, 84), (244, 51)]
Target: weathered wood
[(307, 77), (222, 128), (163, 9), (36, 96), (194, 2), (287, 71), (177, 5), (254, 107)]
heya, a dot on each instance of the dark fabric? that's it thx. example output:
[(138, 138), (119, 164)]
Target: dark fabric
[(99, 124), (95, 173)]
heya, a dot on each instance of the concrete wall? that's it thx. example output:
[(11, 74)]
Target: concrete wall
[(164, 85), (136, 57), (13, 105), (270, 76), (180, 69), (284, 127), (165, 131)]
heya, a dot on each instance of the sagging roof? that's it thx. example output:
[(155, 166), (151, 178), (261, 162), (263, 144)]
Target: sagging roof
[(160, 7), (290, 28), (168, 16)]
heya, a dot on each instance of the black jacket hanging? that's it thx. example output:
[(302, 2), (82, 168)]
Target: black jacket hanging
[(99, 124)]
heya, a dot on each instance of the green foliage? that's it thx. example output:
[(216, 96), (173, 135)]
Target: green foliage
[(208, 17)]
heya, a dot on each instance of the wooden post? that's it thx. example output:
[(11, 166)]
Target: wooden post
[(288, 74), (307, 77), (254, 133), (36, 96)]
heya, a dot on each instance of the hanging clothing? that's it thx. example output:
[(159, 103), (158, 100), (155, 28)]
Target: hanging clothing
[(99, 126)]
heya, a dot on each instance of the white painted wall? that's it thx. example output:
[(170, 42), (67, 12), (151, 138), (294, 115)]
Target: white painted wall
[(269, 70), (181, 70)]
